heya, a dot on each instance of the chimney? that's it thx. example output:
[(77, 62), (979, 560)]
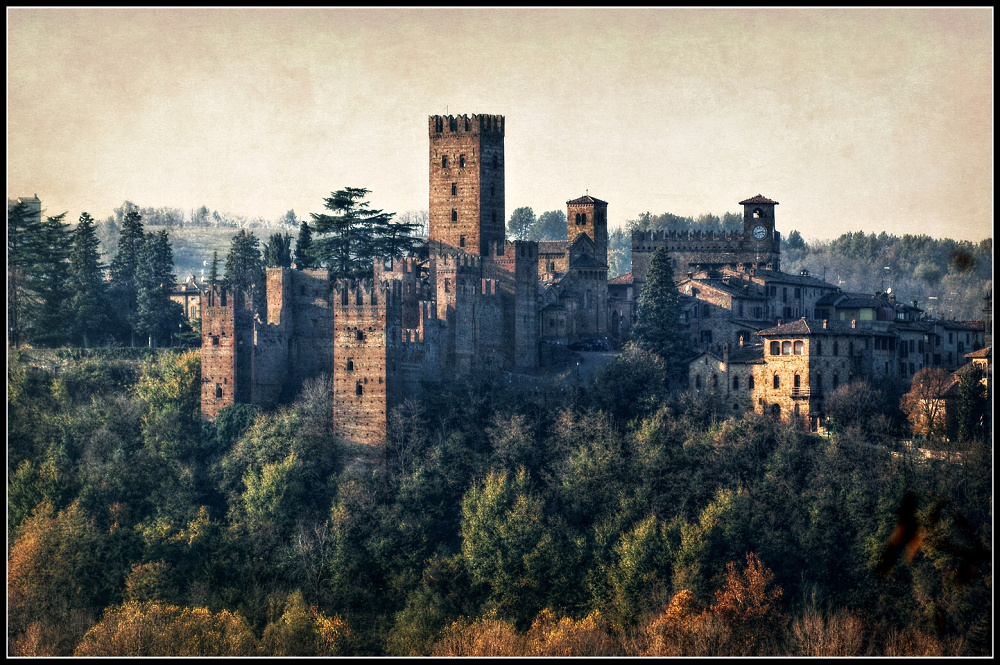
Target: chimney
[(854, 323), (779, 322), (824, 324)]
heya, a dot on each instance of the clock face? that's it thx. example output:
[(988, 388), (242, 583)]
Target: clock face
[(759, 232)]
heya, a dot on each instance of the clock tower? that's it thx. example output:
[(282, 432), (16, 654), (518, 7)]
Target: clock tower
[(758, 220)]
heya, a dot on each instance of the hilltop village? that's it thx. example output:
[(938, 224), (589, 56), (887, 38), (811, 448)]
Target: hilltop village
[(474, 303)]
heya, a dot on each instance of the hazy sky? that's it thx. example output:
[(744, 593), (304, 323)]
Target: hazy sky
[(852, 119)]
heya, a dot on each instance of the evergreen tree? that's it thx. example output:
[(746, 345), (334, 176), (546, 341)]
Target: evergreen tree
[(156, 315), (973, 406), (213, 273), (303, 248), (349, 241), (124, 268), (278, 251), (245, 270), (24, 231), (87, 305), (52, 275), (657, 327)]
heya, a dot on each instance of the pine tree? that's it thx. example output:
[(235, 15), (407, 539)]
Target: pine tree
[(124, 284), (303, 248), (24, 231), (657, 327), (51, 277), (245, 270), (87, 306), (278, 251), (156, 315)]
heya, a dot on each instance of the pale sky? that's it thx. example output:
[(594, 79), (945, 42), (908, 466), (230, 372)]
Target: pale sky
[(852, 119)]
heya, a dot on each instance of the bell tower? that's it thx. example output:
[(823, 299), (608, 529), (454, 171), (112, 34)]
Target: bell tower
[(467, 181), (758, 219), (589, 215)]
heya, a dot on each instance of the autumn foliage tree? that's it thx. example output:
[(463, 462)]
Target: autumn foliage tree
[(924, 405)]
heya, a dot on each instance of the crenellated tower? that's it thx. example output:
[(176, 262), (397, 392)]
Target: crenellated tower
[(467, 181)]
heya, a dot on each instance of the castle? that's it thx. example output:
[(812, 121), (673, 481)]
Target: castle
[(473, 303)]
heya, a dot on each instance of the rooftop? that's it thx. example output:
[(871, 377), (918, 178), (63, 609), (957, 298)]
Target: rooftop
[(586, 199), (758, 199)]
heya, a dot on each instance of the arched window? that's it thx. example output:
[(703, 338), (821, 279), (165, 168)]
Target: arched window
[(359, 390), (350, 364), (796, 408), (218, 391), (461, 161), (775, 348), (583, 218), (576, 219), (444, 162), (835, 348), (819, 382), (736, 383), (454, 215), (797, 347), (786, 348), (776, 410), (359, 335), (797, 381), (836, 381), (777, 382), (750, 383), (454, 189)]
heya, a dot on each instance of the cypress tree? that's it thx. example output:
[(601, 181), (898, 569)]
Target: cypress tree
[(213, 273), (278, 251), (245, 269), (124, 267), (24, 235), (51, 277)]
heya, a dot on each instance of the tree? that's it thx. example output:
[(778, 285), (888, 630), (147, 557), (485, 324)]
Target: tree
[(303, 248), (551, 225), (924, 405), (245, 269), (973, 406), (657, 328), (124, 270), (278, 251), (795, 241), (87, 305), (520, 223), (156, 315), (213, 273), (348, 242), (24, 231)]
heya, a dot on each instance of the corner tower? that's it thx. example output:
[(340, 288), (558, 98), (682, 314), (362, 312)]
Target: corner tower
[(467, 181)]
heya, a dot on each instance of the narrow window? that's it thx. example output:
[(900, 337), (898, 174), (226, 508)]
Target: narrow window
[(215, 340), (798, 292), (218, 390), (444, 161), (750, 383), (461, 241), (454, 215), (736, 383), (784, 294), (786, 348), (350, 364), (777, 382), (836, 348), (583, 218), (697, 382), (461, 161), (819, 348), (359, 335), (797, 381), (359, 389), (454, 189), (715, 381), (836, 381)]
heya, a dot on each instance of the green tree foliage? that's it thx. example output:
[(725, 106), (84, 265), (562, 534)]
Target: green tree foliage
[(51, 277), (125, 271), (213, 273), (278, 251), (657, 328), (157, 317), (245, 270), (973, 406), (303, 248), (87, 307), (348, 241), (23, 241), (551, 225), (521, 222), (303, 631)]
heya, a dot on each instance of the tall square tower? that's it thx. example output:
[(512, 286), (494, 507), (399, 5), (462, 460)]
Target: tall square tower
[(467, 181)]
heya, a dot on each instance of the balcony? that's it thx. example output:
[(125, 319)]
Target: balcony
[(804, 393)]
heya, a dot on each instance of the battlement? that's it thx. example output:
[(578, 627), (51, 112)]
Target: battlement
[(664, 235), (357, 293), (463, 124), (459, 262)]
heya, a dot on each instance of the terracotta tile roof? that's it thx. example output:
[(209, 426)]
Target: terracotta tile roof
[(981, 353), (586, 199), (786, 278), (622, 280), (758, 199), (746, 354)]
